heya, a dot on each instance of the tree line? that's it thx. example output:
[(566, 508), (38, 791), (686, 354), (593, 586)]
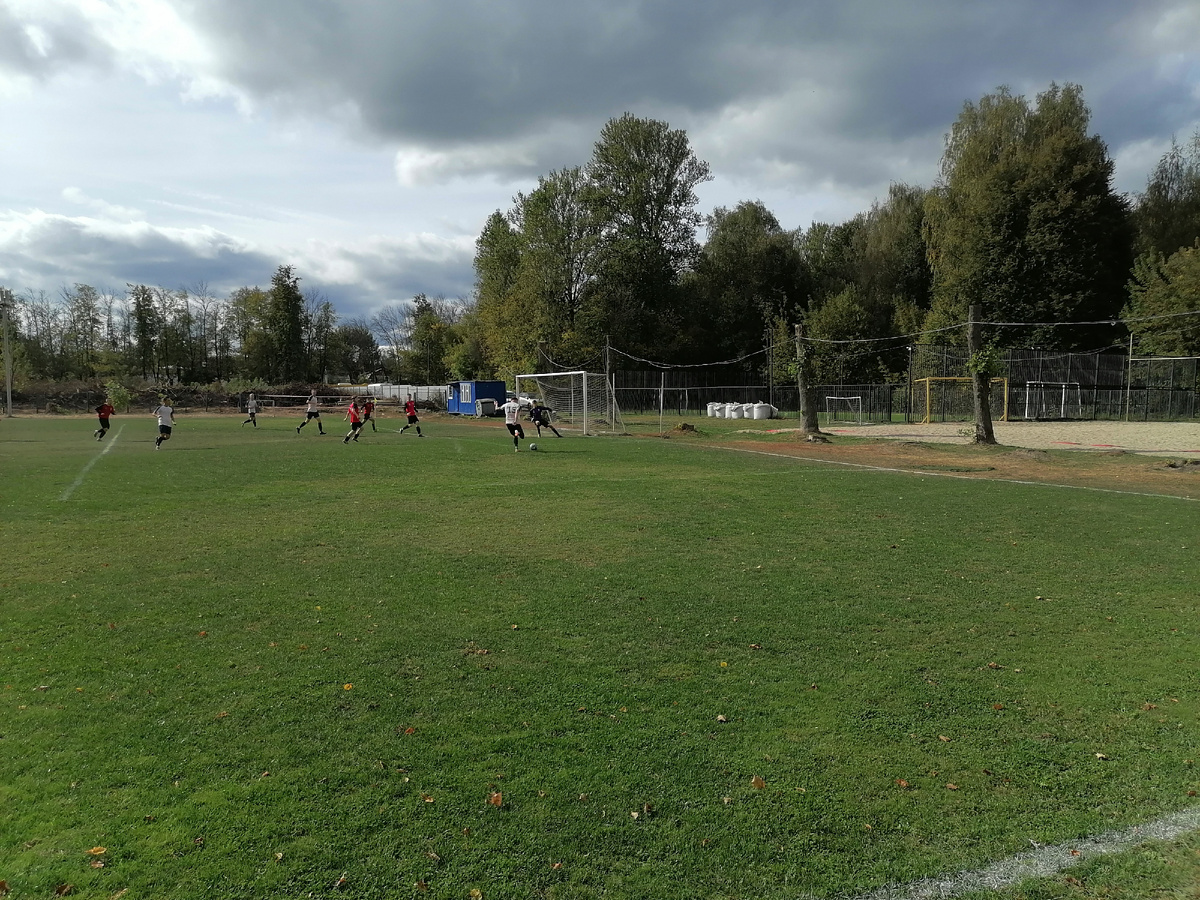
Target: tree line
[(1022, 220)]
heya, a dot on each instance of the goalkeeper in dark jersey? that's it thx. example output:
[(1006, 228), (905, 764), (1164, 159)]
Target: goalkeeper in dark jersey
[(540, 417)]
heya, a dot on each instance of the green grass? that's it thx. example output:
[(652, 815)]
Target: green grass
[(254, 662)]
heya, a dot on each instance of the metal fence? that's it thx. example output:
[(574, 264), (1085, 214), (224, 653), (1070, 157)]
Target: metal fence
[(1041, 385)]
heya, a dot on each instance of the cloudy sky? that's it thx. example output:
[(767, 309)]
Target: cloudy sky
[(188, 142)]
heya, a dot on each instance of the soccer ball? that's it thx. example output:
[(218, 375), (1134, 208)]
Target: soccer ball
[(533, 446)]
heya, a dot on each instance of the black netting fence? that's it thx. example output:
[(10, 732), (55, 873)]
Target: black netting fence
[(1031, 385)]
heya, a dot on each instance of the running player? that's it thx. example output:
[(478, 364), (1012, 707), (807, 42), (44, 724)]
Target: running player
[(252, 412), (368, 408), (166, 420), (104, 410), (312, 411), (512, 418), (354, 414), (540, 416), (410, 410)]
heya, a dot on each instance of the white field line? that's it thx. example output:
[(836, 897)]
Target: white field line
[(66, 495), (1070, 487), (1041, 861)]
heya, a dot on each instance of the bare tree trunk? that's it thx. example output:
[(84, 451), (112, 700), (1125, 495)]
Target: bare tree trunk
[(808, 397), (981, 382)]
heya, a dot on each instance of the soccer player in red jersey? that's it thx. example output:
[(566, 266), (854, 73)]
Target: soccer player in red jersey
[(354, 414), (368, 409), (410, 410), (104, 410)]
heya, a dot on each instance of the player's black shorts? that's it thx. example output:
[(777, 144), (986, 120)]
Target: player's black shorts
[(516, 429), (164, 429), (354, 426), (311, 415), (413, 420), (104, 423)]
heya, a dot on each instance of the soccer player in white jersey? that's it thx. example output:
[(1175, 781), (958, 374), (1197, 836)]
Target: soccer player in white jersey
[(512, 418), (252, 411), (312, 411), (166, 420)]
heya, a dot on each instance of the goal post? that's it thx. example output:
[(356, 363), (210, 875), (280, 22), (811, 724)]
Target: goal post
[(581, 401), (950, 399)]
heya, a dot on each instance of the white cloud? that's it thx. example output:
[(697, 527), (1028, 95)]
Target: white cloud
[(108, 210)]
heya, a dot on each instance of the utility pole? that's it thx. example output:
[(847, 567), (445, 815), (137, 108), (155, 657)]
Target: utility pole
[(6, 301), (981, 381)]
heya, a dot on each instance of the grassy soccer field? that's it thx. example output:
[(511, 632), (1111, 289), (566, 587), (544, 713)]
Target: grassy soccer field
[(257, 663)]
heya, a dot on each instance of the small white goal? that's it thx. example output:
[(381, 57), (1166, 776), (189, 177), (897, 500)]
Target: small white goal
[(848, 407)]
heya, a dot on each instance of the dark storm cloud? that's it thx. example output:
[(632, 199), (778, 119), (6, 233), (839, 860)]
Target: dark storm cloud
[(48, 249), (461, 76)]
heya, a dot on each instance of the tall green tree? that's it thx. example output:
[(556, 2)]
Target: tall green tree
[(1167, 215), (1024, 221), (147, 326), (560, 237), (749, 273), (352, 351), (285, 326), (1164, 303), (643, 177)]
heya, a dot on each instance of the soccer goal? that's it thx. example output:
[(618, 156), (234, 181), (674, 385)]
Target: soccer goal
[(851, 407), (1053, 400), (583, 401)]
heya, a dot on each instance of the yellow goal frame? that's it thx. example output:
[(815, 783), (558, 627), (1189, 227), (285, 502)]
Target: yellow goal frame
[(928, 382)]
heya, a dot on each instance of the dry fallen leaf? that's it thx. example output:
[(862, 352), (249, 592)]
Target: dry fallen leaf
[(952, 787), (997, 706), (1149, 706), (902, 782), (347, 686), (722, 719), (426, 798), (476, 894), (96, 851), (341, 882), (97, 864), (942, 737), (422, 886), (1101, 756), (757, 782), (556, 867), (63, 889), (3, 888), (495, 798)]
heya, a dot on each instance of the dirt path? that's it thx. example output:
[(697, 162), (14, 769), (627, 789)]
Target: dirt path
[(1159, 458), (1176, 439)]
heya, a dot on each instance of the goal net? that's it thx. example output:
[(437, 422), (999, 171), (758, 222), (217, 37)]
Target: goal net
[(582, 401)]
